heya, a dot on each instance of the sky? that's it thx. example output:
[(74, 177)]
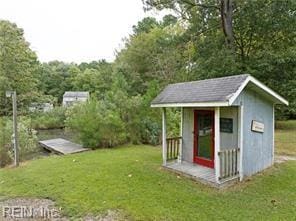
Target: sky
[(74, 30)]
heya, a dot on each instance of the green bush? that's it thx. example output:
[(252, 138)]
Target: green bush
[(150, 132), (27, 140), (5, 142), (145, 122), (96, 125), (52, 119)]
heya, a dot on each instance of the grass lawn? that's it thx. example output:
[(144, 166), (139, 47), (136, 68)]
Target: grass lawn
[(93, 182), (285, 137)]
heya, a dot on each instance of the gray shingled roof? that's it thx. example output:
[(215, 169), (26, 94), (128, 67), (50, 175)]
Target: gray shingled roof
[(210, 90), (76, 94)]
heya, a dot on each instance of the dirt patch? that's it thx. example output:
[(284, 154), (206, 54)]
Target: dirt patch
[(283, 158), (31, 209)]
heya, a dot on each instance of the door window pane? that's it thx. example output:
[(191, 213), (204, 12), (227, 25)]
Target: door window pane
[(205, 131)]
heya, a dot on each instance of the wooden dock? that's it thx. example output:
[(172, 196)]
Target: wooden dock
[(62, 146)]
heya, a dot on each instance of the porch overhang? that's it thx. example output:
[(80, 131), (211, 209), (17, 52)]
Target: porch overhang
[(200, 104)]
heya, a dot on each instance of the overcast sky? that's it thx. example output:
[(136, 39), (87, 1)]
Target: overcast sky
[(74, 30)]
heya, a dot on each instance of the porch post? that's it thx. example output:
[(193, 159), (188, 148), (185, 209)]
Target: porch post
[(217, 143), (164, 144), (181, 135), (240, 141), (273, 126)]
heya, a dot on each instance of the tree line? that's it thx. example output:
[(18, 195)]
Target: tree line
[(200, 39)]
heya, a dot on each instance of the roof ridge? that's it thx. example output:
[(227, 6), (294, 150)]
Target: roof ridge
[(76, 91), (209, 79)]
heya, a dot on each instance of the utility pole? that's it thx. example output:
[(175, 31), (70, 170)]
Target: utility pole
[(12, 94)]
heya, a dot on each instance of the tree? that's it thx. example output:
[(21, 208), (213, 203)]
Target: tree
[(19, 66), (145, 25), (202, 10), (159, 54), (56, 78), (226, 8), (93, 81), (168, 20), (256, 37)]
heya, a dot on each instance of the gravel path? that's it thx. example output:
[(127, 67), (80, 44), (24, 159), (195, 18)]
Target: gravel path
[(283, 158)]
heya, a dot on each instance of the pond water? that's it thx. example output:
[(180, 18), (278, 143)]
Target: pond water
[(56, 133)]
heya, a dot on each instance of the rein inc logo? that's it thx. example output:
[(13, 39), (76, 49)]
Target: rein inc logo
[(22, 212)]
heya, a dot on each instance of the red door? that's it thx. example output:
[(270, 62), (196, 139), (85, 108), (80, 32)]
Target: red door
[(204, 133)]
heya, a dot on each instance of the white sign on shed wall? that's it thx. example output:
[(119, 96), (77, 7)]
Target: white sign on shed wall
[(257, 126)]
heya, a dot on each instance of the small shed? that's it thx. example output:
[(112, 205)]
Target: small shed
[(71, 97), (227, 128)]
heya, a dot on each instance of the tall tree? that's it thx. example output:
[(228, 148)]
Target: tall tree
[(255, 37), (145, 25), (153, 55), (226, 8), (56, 77), (19, 66), (203, 10)]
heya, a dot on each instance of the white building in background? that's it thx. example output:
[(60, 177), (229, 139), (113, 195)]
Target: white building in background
[(43, 107), (71, 97)]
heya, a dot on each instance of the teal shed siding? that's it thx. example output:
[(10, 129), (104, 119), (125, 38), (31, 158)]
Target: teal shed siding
[(188, 122), (229, 140), (258, 148)]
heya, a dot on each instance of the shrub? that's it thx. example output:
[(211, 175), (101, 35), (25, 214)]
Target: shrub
[(27, 140), (5, 142), (52, 119), (151, 127), (96, 125), (150, 131), (144, 123)]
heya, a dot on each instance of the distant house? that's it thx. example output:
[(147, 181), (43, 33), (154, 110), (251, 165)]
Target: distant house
[(41, 107), (227, 128), (71, 97)]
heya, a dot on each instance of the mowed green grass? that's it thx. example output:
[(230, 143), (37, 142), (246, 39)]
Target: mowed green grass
[(130, 179), (285, 137)]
